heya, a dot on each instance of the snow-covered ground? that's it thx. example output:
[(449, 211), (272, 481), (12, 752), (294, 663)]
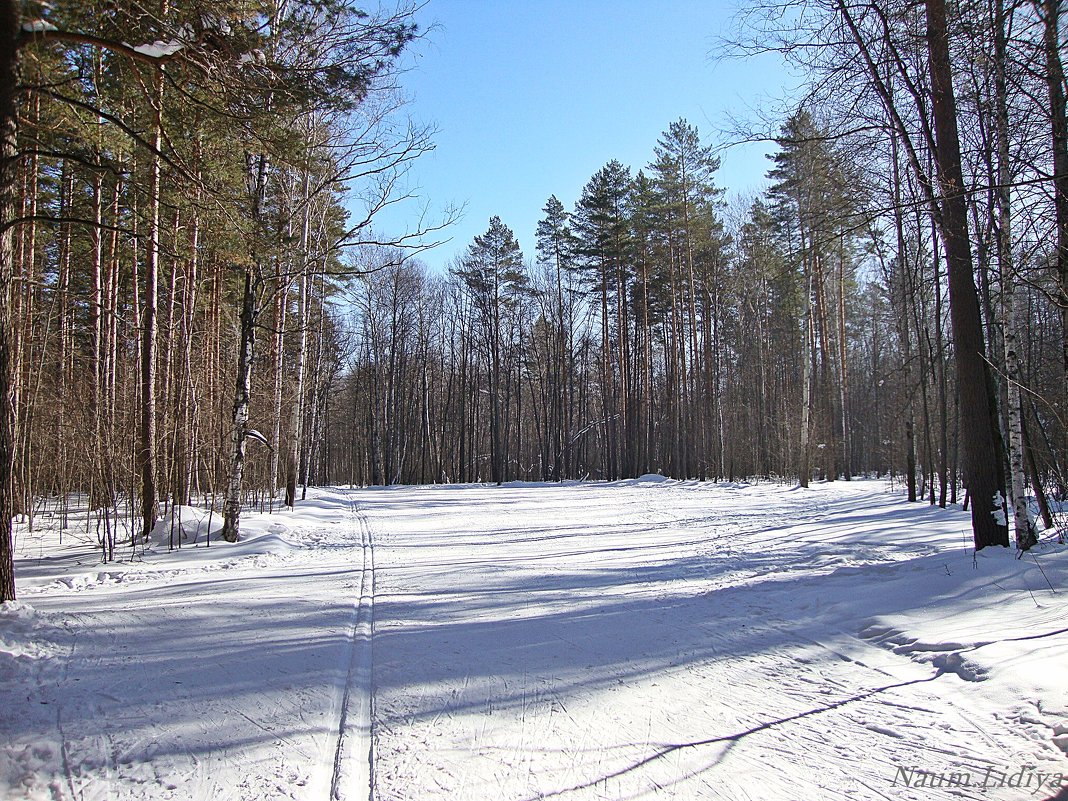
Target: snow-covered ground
[(639, 639)]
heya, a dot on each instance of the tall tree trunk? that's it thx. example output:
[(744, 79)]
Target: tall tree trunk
[(904, 340), (297, 411), (101, 495), (979, 426), (186, 444), (1036, 480), (281, 301), (317, 389), (1050, 12), (805, 465), (22, 315), (1010, 295), (146, 453), (239, 430), (9, 31), (258, 166), (296, 416), (939, 357), (843, 369)]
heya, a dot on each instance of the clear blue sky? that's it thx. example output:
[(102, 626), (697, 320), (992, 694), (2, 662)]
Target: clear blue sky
[(531, 97)]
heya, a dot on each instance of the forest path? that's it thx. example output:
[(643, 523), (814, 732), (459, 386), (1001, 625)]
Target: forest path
[(241, 673), (635, 639), (657, 639)]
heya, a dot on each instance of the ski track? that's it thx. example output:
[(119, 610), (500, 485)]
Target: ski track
[(352, 774), (631, 640), (235, 678)]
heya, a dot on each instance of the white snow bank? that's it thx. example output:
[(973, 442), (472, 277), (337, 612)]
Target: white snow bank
[(18, 635), (652, 478), (187, 525), (29, 658), (69, 559), (200, 673)]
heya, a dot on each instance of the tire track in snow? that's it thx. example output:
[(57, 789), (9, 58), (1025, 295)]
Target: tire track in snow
[(352, 776)]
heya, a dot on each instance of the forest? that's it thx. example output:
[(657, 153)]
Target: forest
[(197, 306)]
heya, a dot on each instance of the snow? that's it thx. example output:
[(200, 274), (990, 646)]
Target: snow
[(647, 638), (160, 49), (257, 57), (37, 26)]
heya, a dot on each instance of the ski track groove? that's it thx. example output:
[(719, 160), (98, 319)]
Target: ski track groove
[(131, 731), (352, 773)]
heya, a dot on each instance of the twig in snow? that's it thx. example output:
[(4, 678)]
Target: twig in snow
[(1043, 572)]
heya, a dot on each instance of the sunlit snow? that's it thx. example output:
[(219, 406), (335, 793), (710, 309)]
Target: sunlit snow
[(638, 639)]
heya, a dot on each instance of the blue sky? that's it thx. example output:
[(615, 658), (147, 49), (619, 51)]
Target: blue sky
[(531, 97)]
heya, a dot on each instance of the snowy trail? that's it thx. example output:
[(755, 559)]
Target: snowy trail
[(679, 640), (631, 640), (242, 674), (352, 776)]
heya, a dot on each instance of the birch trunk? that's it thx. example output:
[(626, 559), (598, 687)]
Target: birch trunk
[(297, 409), (258, 166), (243, 390), (146, 454), (1010, 295)]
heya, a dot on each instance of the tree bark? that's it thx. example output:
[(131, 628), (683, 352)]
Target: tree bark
[(242, 393), (9, 31), (1036, 479), (146, 454), (982, 466), (1010, 293), (1050, 12), (296, 415), (805, 465)]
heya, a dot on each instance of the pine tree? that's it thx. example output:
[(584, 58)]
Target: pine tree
[(556, 253), (493, 273), (815, 211), (602, 229)]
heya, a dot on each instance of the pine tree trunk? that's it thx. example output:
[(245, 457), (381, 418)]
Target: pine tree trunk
[(9, 31), (100, 496), (317, 380), (61, 470), (804, 465), (23, 311), (186, 444)]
